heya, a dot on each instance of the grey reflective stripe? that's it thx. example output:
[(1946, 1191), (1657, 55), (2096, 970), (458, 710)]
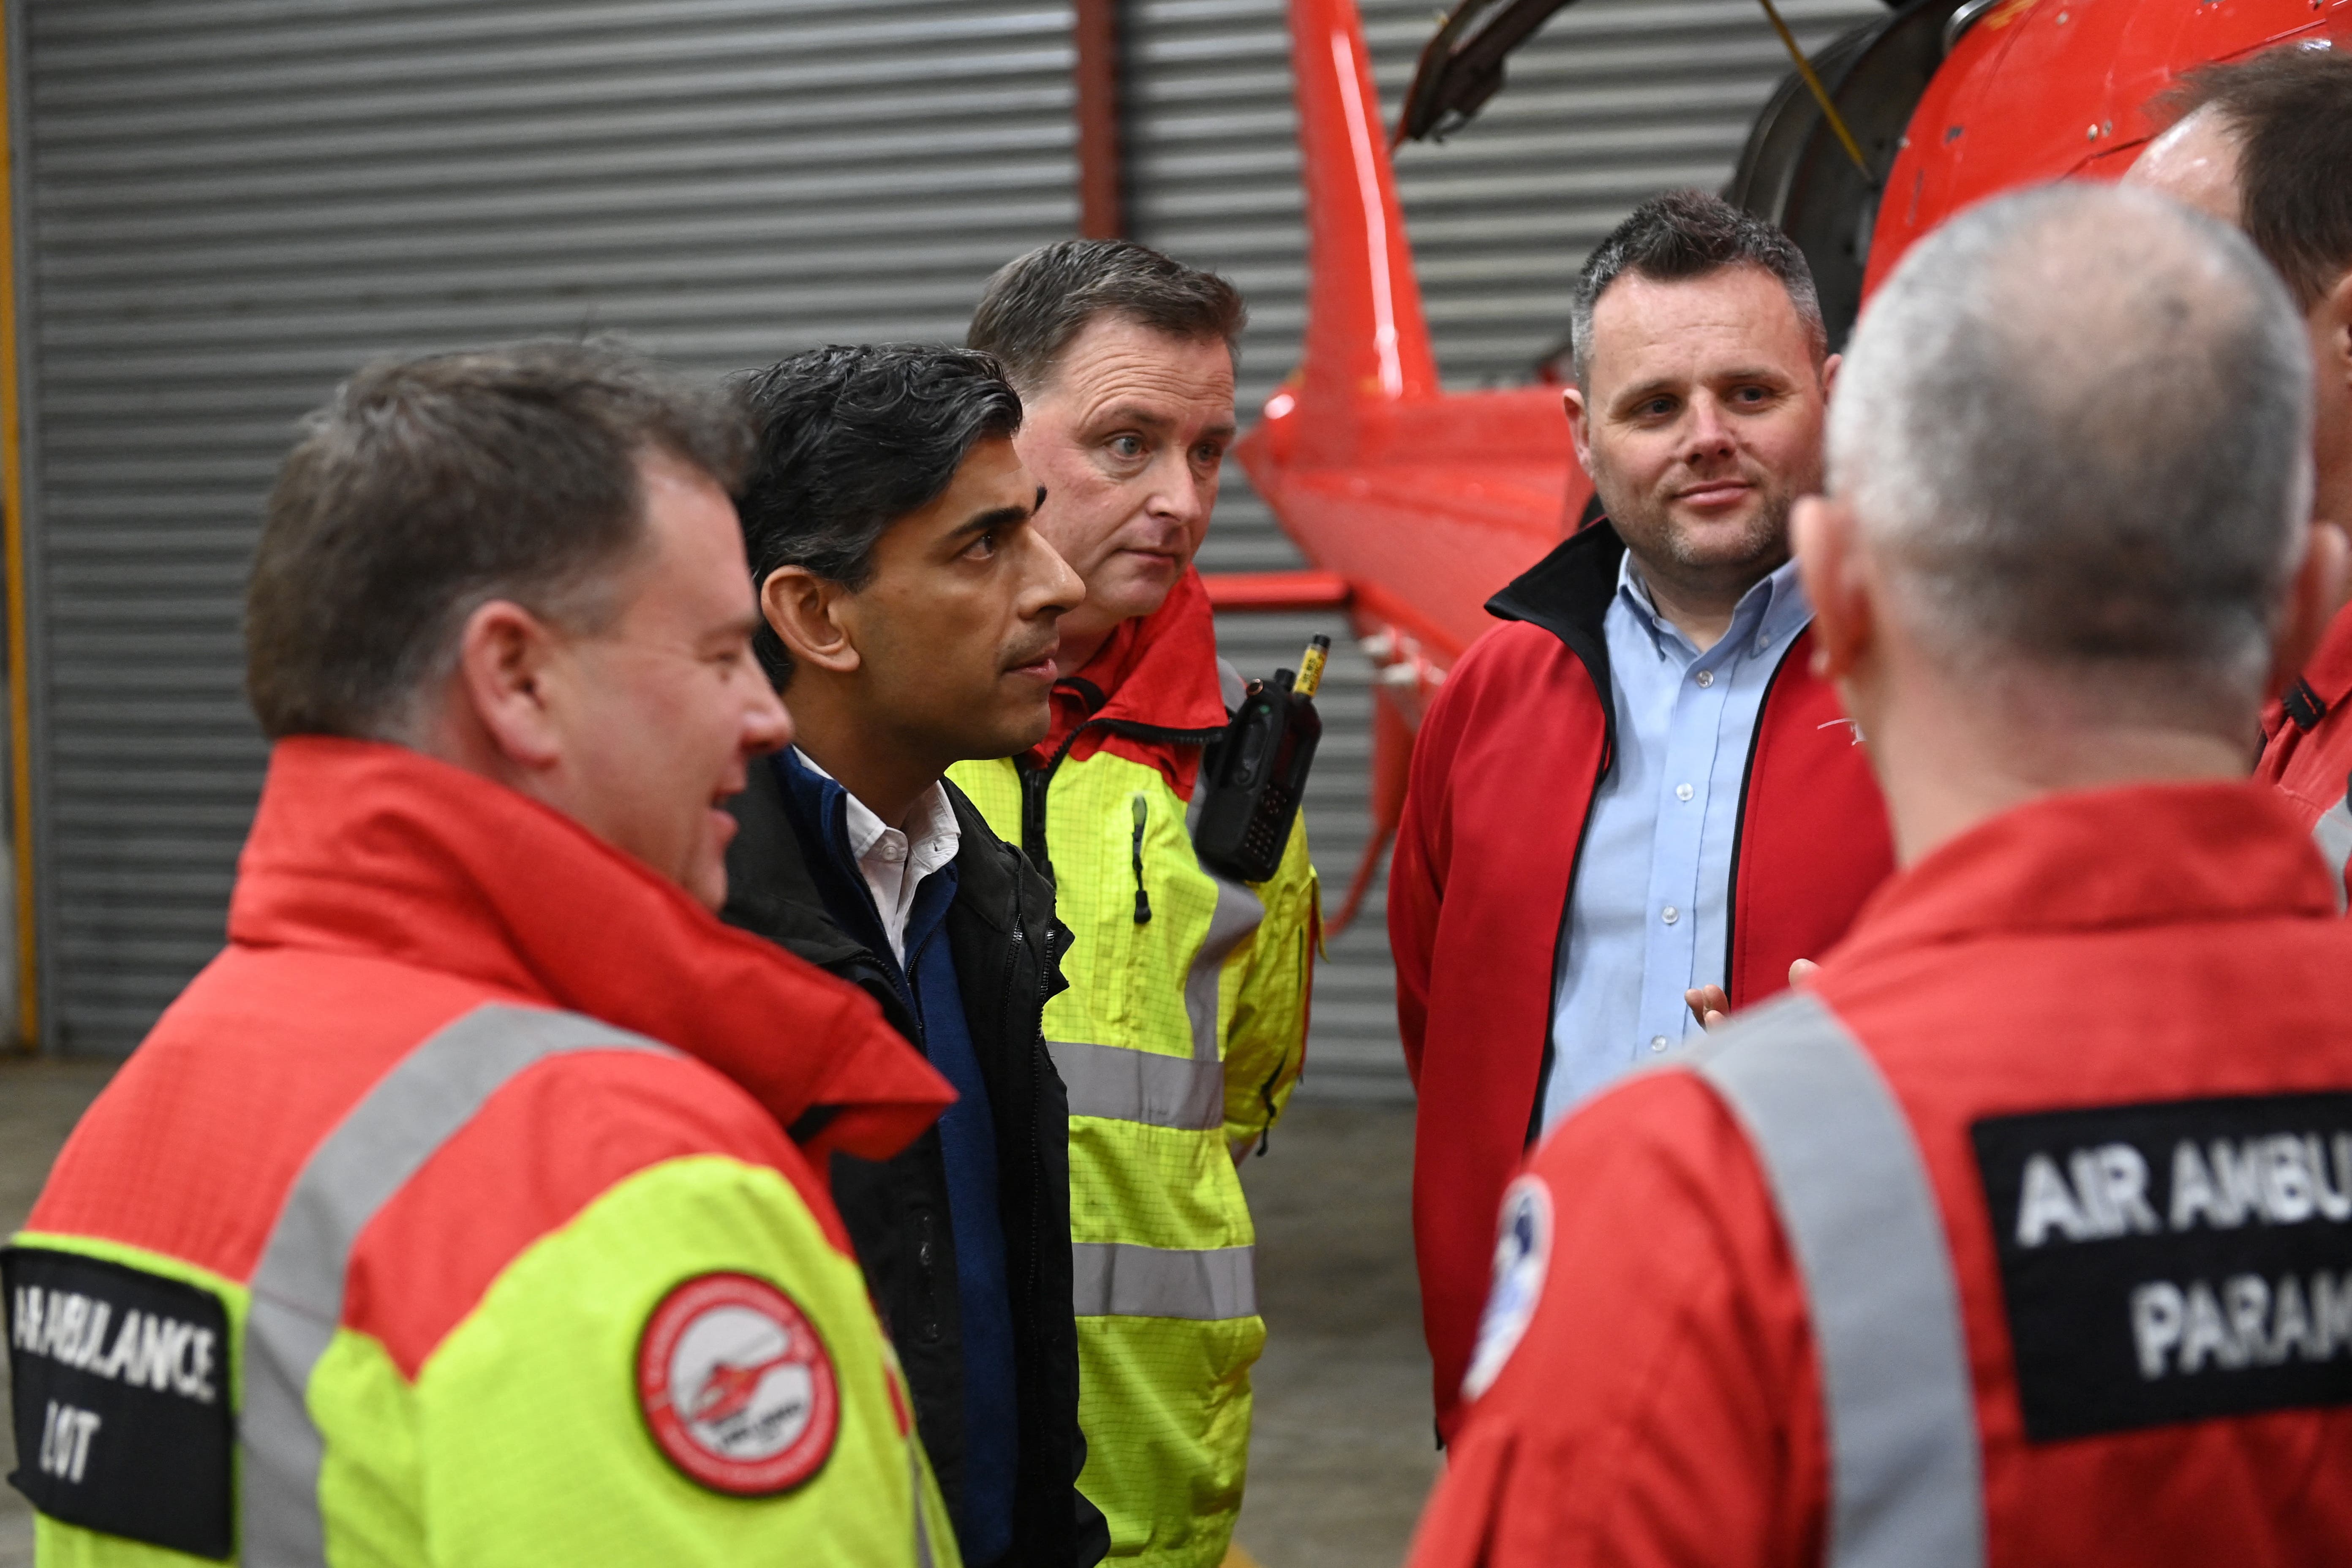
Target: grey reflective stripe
[(1116, 1280), (1142, 1086), (1905, 1482), (1239, 912), (2333, 834), (923, 1558), (297, 1290)]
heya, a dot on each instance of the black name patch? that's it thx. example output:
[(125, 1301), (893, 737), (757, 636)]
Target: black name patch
[(121, 1394), (2174, 1261)]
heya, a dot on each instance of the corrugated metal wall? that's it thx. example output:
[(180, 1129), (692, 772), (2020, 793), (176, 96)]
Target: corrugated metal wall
[(1614, 101), (226, 205)]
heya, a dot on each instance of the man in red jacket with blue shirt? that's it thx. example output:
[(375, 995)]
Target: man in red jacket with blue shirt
[(1637, 786), (2024, 1235)]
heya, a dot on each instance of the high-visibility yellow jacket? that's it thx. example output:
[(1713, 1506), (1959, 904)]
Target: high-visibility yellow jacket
[(448, 1219), (1179, 1038)]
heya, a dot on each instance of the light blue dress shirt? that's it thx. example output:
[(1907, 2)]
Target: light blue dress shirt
[(1648, 916)]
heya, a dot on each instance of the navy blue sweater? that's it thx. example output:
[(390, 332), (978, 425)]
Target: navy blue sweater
[(927, 983)]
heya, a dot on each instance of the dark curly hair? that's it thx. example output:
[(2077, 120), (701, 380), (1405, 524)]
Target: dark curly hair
[(849, 441)]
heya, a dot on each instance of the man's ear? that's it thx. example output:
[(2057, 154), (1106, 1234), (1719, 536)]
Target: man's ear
[(2334, 308), (2331, 337), (1579, 426), (1823, 535), (2312, 602), (804, 612), (1829, 373), (505, 656)]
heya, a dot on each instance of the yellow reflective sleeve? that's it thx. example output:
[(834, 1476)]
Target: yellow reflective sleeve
[(1266, 1043), (532, 1434)]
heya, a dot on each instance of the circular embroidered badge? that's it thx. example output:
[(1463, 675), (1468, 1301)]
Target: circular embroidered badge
[(1522, 1257), (736, 1386)]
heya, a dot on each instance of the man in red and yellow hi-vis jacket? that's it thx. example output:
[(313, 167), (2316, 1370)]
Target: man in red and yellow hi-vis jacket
[(2286, 115), (1184, 1025), (464, 1211), (1636, 785), (2024, 1235)]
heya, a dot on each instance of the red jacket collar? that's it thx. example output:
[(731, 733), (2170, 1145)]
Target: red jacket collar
[(2328, 678), (377, 850), (1156, 672), (2329, 673), (2102, 860)]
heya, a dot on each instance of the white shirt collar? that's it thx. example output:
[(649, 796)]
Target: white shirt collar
[(894, 861)]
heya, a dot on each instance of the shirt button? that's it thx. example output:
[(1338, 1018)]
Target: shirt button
[(1682, 792), (1706, 677), (1657, 1042), (894, 853), (1670, 914)]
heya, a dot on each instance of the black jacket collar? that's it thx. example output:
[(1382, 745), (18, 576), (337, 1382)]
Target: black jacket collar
[(1566, 593), (772, 886)]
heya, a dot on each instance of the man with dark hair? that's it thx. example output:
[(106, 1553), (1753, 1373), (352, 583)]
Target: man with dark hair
[(2266, 144), (1637, 786), (499, 1158), (2019, 1237), (909, 608), (1185, 1024)]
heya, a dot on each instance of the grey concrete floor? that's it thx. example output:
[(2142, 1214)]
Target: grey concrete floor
[(39, 1102), (1342, 1455), (1341, 1458)]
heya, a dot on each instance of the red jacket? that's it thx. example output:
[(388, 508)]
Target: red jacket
[(2308, 735), (2124, 958), (382, 895), (1504, 773)]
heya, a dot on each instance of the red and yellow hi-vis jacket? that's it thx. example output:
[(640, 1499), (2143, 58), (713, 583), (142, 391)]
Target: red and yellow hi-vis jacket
[(449, 1217), (1179, 1041)]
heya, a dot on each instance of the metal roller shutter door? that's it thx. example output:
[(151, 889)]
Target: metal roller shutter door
[(227, 205), (1612, 101)]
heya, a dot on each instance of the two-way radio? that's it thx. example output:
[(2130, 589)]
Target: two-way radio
[(1254, 776)]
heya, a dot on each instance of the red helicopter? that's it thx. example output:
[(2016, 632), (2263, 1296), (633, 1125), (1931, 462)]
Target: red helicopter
[(1416, 503)]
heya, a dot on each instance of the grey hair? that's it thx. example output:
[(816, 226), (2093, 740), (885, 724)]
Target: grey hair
[(1677, 236), (2076, 423)]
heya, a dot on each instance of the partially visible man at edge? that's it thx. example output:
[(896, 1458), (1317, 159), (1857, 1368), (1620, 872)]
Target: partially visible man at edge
[(476, 1137), (1636, 785), (2267, 144), (908, 609), (1185, 1022)]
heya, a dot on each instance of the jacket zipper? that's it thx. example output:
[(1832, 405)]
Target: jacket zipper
[(1036, 782), (1575, 862), (1739, 822), (1037, 1036)]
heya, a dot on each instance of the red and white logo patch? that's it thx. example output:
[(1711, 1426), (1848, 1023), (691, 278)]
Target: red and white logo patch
[(736, 1387)]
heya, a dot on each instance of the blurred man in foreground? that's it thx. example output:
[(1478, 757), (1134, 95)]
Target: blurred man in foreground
[(2267, 144), (450, 1216), (1636, 785), (1955, 1259), (909, 608), (1185, 1022)]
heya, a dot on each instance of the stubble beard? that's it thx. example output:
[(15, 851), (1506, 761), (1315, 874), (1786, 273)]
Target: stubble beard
[(1714, 562)]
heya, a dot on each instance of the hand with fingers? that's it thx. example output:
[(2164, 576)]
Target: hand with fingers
[(1710, 1006)]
